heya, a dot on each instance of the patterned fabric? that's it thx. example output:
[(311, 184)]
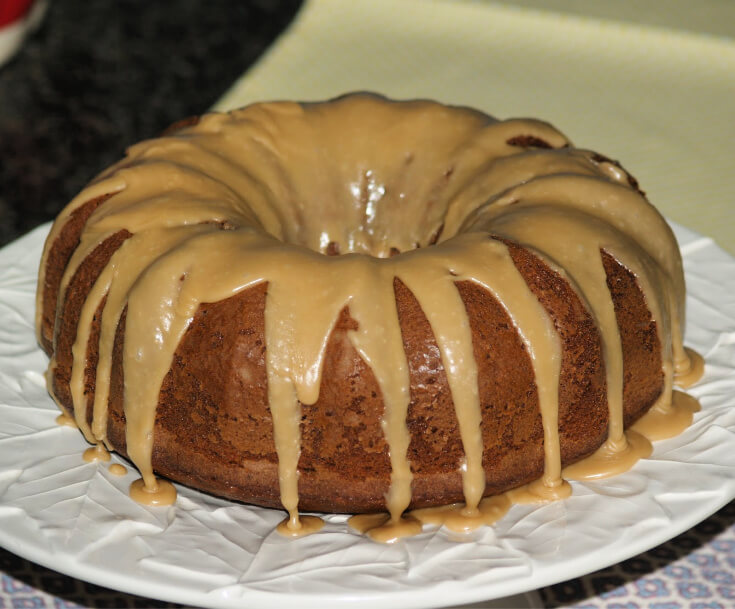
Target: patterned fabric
[(695, 570), (24, 585)]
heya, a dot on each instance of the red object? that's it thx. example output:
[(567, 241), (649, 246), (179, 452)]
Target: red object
[(13, 10), (18, 18)]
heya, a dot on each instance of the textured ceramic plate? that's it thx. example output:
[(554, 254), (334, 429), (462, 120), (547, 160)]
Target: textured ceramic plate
[(77, 518)]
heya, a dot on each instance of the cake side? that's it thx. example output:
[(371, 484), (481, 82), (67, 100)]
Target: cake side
[(213, 425)]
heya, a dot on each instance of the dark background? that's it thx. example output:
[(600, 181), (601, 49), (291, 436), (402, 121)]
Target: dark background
[(100, 75)]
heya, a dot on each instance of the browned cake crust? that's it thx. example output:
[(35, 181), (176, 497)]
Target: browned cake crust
[(213, 426)]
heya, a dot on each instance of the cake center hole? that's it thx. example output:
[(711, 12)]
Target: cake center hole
[(375, 212)]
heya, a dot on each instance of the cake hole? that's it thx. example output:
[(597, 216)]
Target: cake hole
[(375, 212)]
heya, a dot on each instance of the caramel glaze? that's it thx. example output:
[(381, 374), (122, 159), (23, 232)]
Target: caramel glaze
[(96, 453), (444, 218), (117, 469), (65, 420)]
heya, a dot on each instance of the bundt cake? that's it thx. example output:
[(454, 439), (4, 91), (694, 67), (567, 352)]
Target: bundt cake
[(361, 305)]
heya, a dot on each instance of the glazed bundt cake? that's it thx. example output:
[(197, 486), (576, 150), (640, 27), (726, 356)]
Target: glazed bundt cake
[(361, 305)]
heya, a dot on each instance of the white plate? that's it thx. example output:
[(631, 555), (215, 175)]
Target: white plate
[(77, 518)]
